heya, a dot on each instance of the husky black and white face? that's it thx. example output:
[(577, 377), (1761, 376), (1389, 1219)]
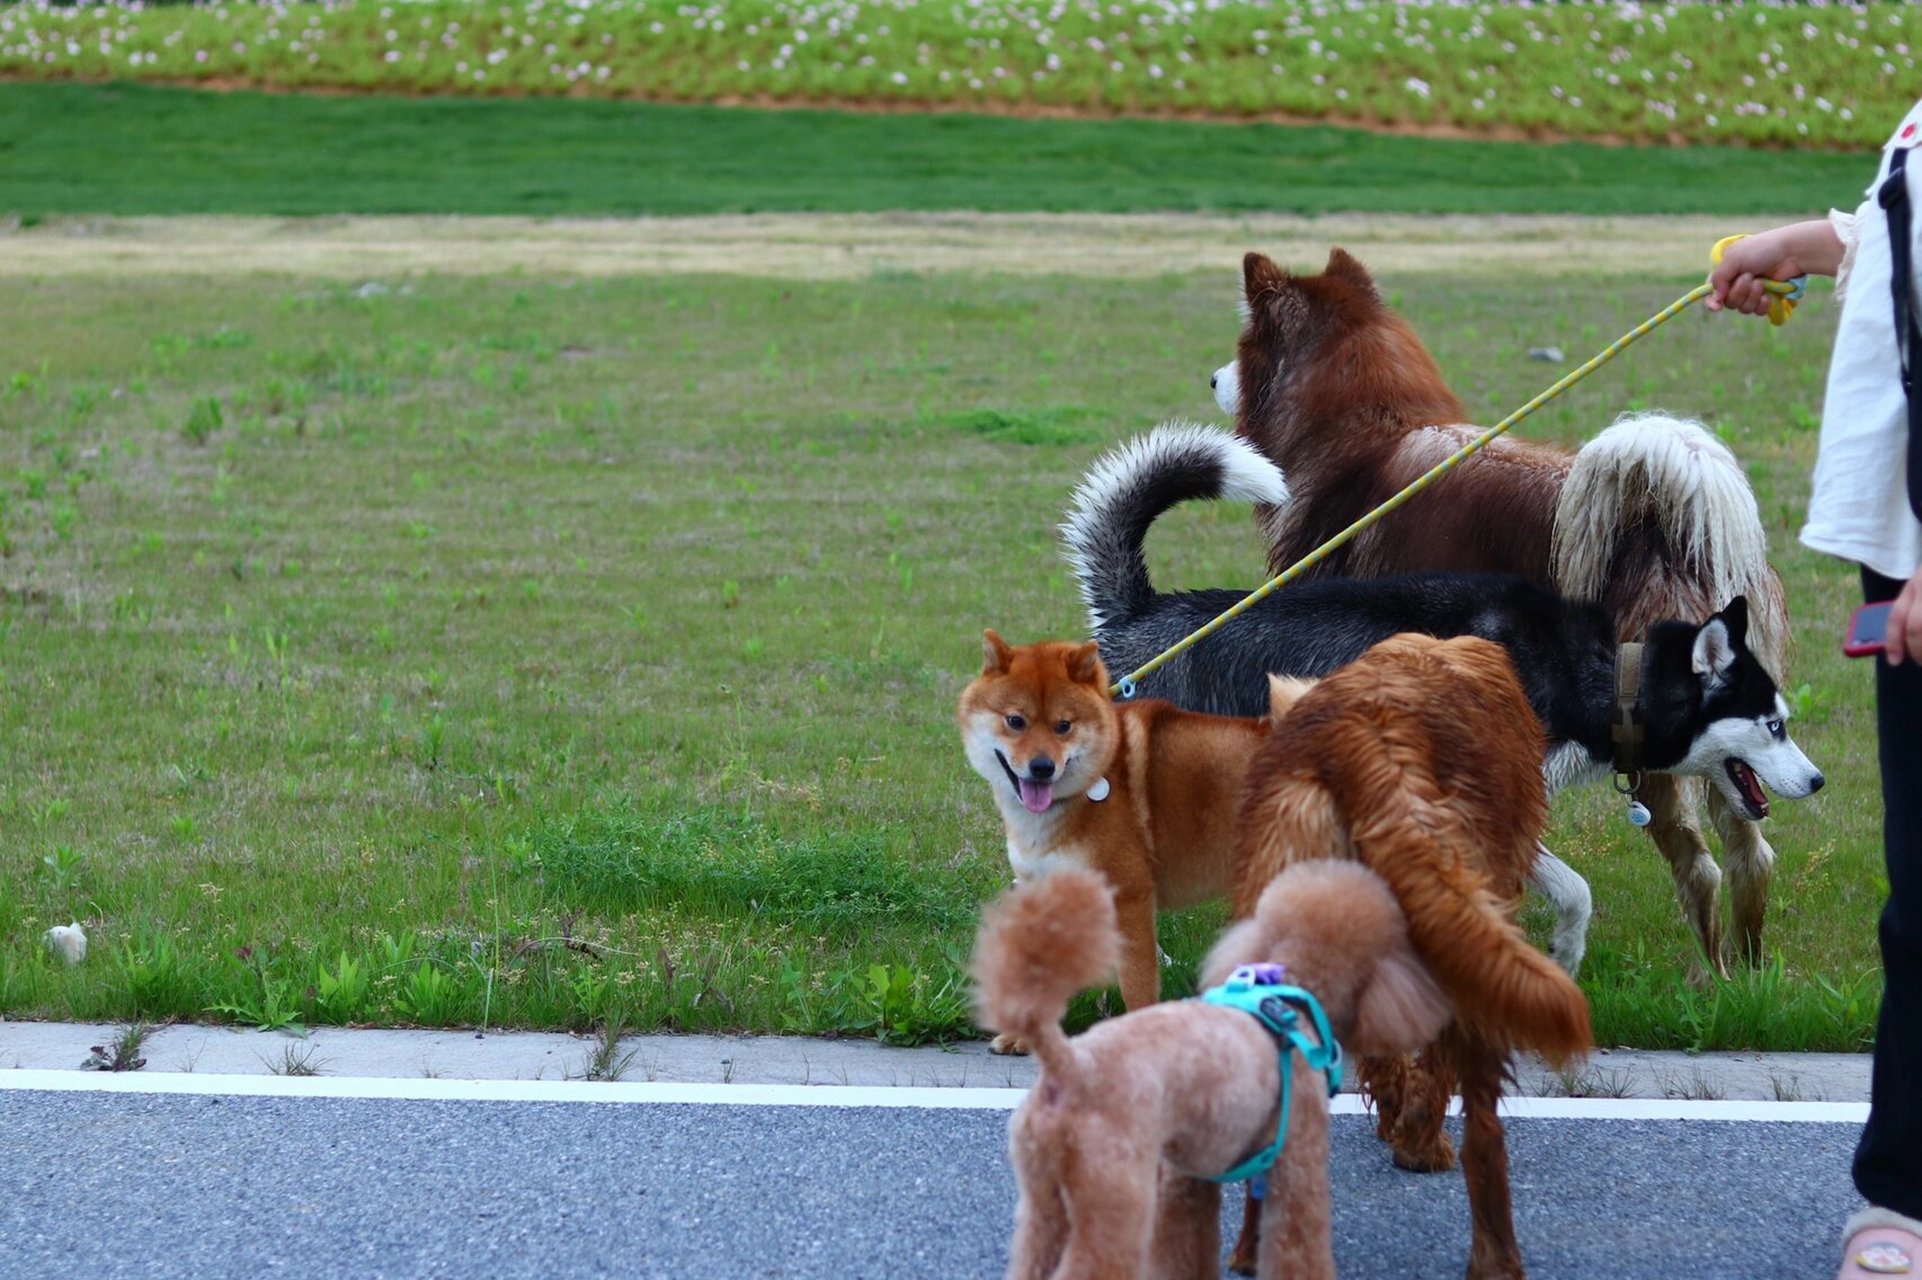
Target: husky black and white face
[(1738, 739)]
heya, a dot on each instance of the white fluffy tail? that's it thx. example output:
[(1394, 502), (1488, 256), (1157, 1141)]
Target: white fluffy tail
[(1128, 487), (1655, 476)]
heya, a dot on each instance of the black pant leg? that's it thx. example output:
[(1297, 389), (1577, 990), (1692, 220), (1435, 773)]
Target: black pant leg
[(1888, 1161)]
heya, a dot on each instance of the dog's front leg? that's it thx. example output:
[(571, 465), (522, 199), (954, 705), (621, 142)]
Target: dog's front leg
[(1187, 1243), (1140, 966), (1297, 1241)]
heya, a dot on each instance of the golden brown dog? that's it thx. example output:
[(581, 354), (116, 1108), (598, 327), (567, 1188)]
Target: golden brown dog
[(1142, 792), (1421, 761), (1114, 1145)]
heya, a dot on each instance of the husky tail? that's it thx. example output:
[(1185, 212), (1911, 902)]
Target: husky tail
[(1657, 521), (1128, 488), (1040, 943)]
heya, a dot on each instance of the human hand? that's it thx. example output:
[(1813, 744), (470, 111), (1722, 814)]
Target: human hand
[(1800, 248), (1904, 638)]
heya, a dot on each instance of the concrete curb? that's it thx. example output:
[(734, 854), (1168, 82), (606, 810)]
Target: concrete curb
[(797, 1060)]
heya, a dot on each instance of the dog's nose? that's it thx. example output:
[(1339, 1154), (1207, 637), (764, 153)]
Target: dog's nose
[(1815, 783), (1041, 768)]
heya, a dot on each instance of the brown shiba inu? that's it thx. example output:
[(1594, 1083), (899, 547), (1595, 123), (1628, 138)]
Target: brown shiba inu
[(1142, 792)]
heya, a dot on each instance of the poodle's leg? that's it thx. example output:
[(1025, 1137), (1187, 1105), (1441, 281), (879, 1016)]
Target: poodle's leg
[(1140, 967), (1114, 1216), (1493, 1253), (1297, 1242), (1563, 886), (1750, 861), (1040, 1229), (1698, 881), (1248, 1243), (1419, 1143), (1187, 1243)]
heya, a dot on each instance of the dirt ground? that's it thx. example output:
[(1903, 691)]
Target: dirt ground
[(839, 246)]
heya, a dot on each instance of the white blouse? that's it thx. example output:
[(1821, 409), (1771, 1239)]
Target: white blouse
[(1859, 509)]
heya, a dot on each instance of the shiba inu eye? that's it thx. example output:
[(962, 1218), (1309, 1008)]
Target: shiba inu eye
[(1064, 728), (1017, 723)]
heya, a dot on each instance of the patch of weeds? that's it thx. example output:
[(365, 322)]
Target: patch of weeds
[(156, 979), (1592, 1083), (714, 862), (122, 1053), (608, 1061), (296, 1060), (203, 419), (272, 1006), (63, 866), (1048, 425)]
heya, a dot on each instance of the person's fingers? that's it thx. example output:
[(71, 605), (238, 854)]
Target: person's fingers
[(1903, 638)]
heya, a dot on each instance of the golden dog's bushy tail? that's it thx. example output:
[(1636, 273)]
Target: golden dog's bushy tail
[(1040, 943), (1510, 993)]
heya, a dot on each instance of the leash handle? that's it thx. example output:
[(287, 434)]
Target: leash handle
[(1786, 293)]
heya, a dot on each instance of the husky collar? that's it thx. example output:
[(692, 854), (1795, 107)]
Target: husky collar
[(1258, 990), (1627, 730)]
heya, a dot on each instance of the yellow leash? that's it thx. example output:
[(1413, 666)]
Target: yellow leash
[(1786, 294)]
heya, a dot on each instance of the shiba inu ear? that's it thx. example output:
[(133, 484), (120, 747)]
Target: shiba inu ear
[(995, 654), (1261, 277), (1084, 665), (1345, 265), (1284, 692), (1715, 647)]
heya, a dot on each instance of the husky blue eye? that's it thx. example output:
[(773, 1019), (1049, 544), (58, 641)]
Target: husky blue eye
[(1775, 727), (1017, 723)]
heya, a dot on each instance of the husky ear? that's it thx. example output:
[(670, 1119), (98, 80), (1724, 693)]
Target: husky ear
[(1735, 616), (995, 654), (1401, 1009), (1714, 651), (1348, 267), (1260, 276), (1084, 665)]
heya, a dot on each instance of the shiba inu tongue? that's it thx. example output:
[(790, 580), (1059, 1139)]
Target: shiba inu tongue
[(1036, 795)]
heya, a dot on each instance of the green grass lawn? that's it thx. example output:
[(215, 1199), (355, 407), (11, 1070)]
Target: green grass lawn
[(1815, 75), (551, 653), (131, 149)]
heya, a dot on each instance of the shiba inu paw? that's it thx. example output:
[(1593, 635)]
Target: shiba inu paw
[(1005, 1043)]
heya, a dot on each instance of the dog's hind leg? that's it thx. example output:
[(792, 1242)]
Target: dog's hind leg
[(1493, 1253), (1297, 1240), (1750, 862), (1574, 905), (1698, 881), (1187, 1243), (1113, 1217), (1040, 1228), (1417, 1140), (1248, 1243)]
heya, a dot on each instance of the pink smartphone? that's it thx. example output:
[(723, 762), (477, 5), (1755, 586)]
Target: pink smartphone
[(1868, 626)]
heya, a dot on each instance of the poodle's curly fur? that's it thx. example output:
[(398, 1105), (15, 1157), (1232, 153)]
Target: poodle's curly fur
[(1421, 761), (1112, 1146)]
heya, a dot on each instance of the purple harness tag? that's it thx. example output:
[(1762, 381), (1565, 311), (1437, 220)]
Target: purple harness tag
[(1261, 975)]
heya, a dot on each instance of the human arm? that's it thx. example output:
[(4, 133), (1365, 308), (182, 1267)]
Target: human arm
[(1799, 248)]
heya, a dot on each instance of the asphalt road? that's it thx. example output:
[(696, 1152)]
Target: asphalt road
[(104, 1185)]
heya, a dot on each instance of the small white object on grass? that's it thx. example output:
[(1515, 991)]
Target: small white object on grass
[(1547, 355), (69, 940)]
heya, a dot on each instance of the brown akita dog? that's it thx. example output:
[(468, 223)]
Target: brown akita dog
[(1142, 792)]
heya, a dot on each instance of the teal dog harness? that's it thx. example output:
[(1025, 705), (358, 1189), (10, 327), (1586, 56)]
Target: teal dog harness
[(1259, 991)]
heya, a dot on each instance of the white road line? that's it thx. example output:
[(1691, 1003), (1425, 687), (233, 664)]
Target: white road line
[(790, 1095)]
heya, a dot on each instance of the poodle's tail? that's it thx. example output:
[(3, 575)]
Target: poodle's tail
[(1127, 490), (1039, 944), (1510, 993), (1659, 495)]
